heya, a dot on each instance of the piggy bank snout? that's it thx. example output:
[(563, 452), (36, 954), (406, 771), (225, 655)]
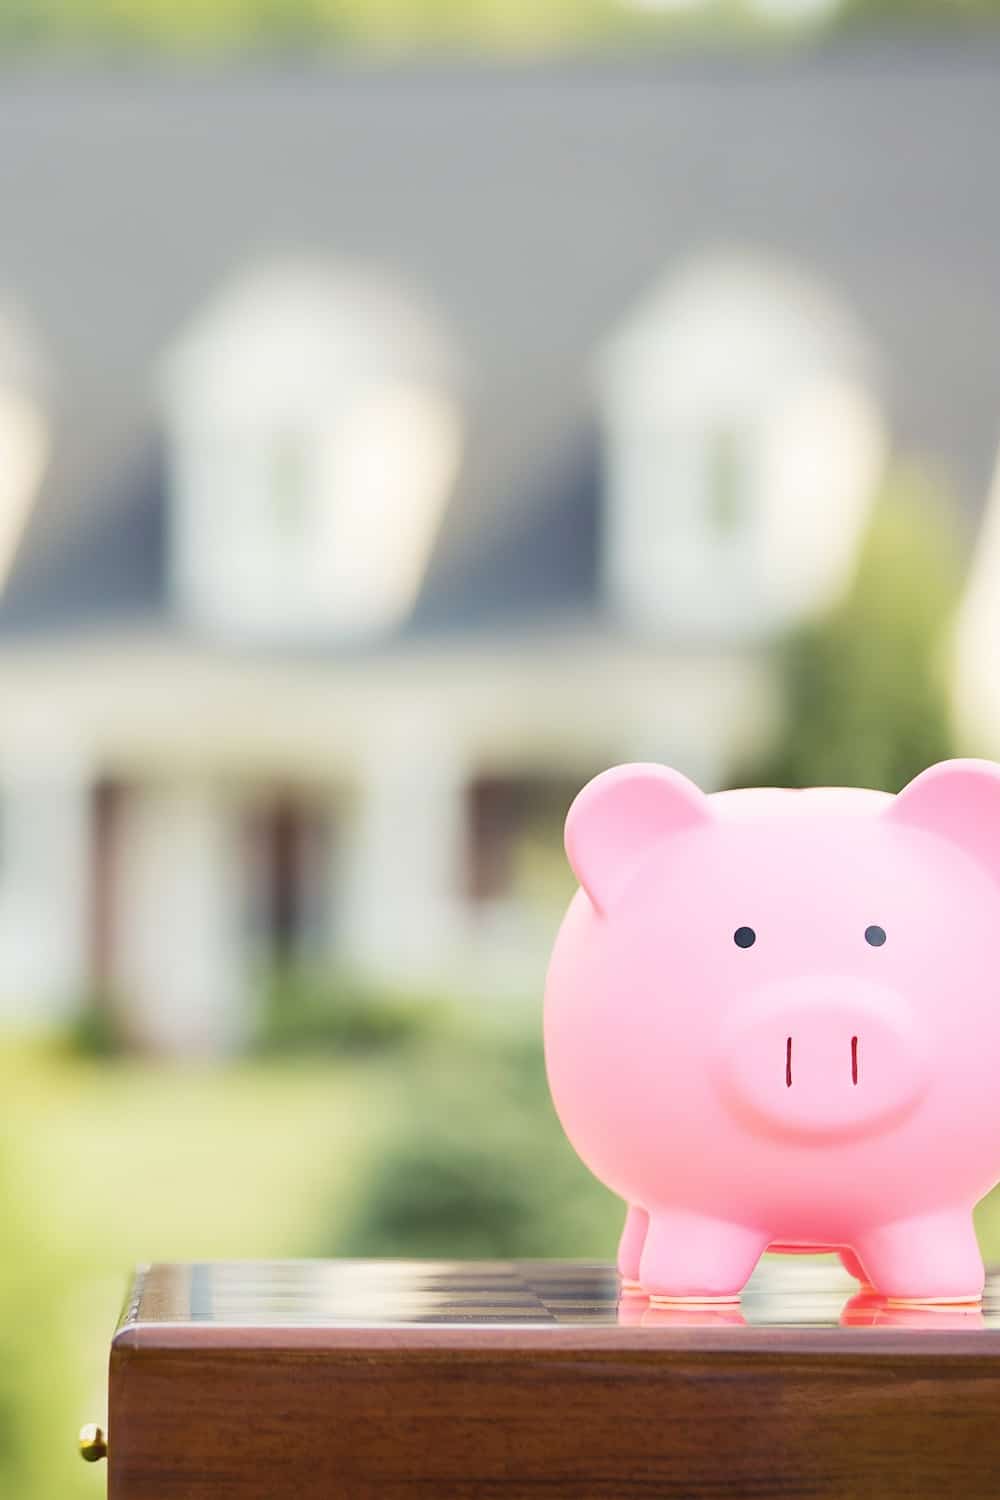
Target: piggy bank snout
[(825, 1058)]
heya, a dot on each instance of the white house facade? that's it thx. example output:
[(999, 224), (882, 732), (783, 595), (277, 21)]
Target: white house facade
[(328, 573), (271, 775)]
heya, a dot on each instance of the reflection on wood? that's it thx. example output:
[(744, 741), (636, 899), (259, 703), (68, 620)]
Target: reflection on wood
[(784, 1294)]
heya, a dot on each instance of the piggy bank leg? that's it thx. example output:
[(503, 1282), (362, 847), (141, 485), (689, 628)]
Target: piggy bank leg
[(853, 1266), (931, 1259), (687, 1256), (630, 1245)]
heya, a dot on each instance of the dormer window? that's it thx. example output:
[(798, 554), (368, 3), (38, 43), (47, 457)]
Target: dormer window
[(743, 444), (726, 481), (314, 437), (291, 485), (24, 433)]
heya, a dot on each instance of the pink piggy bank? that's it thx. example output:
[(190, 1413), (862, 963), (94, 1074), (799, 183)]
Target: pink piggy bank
[(772, 1020)]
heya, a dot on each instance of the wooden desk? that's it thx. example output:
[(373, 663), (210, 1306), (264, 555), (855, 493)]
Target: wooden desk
[(347, 1380)]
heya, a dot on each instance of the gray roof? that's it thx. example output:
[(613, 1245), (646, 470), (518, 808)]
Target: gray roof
[(532, 206)]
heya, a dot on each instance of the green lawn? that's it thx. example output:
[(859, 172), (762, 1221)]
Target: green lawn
[(108, 1165)]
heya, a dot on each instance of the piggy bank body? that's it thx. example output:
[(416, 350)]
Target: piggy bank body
[(772, 1020)]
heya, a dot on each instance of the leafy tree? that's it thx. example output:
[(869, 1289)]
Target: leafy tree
[(225, 24), (866, 695), (507, 25), (937, 13)]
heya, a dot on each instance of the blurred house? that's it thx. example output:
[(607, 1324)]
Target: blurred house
[(383, 453)]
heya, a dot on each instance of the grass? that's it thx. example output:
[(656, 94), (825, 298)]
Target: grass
[(111, 1165)]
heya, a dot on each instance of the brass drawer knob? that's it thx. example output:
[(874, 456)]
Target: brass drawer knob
[(93, 1443)]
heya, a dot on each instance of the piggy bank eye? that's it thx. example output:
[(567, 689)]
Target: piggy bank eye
[(875, 936), (744, 937)]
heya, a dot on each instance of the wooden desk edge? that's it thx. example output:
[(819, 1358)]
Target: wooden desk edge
[(605, 1339)]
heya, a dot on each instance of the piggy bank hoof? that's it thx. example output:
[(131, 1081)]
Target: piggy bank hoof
[(658, 1299), (960, 1299)]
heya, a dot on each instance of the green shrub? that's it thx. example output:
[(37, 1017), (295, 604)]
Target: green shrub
[(93, 1031), (314, 1012), (476, 1164)]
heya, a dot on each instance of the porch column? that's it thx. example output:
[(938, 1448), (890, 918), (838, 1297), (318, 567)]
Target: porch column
[(403, 908), (182, 954), (45, 841)]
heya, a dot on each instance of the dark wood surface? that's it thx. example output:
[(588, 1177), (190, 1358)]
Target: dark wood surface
[(321, 1380)]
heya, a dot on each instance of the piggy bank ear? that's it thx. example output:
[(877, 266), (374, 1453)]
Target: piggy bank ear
[(619, 815), (960, 800)]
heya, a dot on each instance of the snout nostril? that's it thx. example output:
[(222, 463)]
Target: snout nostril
[(854, 1059), (788, 1063)]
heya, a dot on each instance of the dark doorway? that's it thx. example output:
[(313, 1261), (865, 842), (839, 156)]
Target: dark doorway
[(108, 812), (503, 814), (291, 838)]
